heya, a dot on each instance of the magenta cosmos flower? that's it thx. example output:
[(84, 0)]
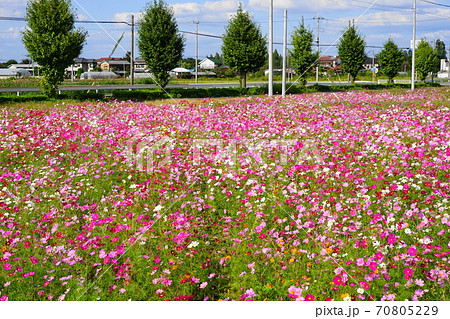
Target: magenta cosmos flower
[(408, 273)]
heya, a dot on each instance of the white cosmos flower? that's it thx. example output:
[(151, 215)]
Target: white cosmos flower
[(193, 244), (158, 208)]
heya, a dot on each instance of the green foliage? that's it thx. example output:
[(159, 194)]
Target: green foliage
[(52, 40), (79, 72), (244, 48), (390, 59), (440, 49), (426, 60), (160, 43), (188, 63), (351, 51), (7, 63), (277, 60), (302, 56)]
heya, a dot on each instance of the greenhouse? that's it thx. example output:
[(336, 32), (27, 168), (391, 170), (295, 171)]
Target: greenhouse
[(98, 75)]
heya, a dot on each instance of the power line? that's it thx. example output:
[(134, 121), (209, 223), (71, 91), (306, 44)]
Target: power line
[(77, 21), (436, 4)]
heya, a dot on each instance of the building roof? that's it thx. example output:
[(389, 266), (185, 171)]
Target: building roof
[(328, 58), (23, 66), (108, 59), (368, 60), (180, 70), (215, 61), (83, 60)]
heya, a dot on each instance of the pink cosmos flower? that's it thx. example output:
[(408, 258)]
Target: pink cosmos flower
[(360, 262), (391, 239), (408, 272), (412, 251), (337, 280), (309, 297)]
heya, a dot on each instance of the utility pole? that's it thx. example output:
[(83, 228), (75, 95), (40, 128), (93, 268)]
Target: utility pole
[(413, 64), (283, 85), (317, 42), (270, 93), (373, 65), (132, 52), (448, 64), (196, 50)]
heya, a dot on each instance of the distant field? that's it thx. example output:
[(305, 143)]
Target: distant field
[(337, 196)]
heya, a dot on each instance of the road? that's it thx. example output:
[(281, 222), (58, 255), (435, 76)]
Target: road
[(97, 88)]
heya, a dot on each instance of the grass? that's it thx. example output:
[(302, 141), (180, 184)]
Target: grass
[(119, 81)]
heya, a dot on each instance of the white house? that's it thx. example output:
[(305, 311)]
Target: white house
[(445, 69), (209, 63)]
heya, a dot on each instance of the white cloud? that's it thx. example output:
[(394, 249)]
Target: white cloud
[(263, 5), (182, 9), (441, 34), (126, 16), (386, 18), (306, 5), (11, 12), (13, 8), (12, 33), (224, 5)]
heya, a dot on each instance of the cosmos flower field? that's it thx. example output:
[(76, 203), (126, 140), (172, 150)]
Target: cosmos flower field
[(341, 196)]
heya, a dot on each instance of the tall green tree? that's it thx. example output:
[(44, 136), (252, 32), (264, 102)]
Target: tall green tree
[(244, 48), (390, 59), (160, 43), (302, 55), (277, 60), (440, 49), (52, 40), (351, 49), (426, 59)]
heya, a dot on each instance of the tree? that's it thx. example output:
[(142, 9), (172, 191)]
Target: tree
[(188, 63), (244, 48), (8, 63), (407, 59), (52, 40), (277, 60), (302, 56), (351, 51), (160, 43), (440, 49), (390, 59), (425, 59)]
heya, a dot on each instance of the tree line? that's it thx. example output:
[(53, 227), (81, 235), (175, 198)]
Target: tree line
[(52, 41)]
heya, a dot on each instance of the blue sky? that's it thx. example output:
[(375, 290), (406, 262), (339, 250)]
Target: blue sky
[(376, 20)]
